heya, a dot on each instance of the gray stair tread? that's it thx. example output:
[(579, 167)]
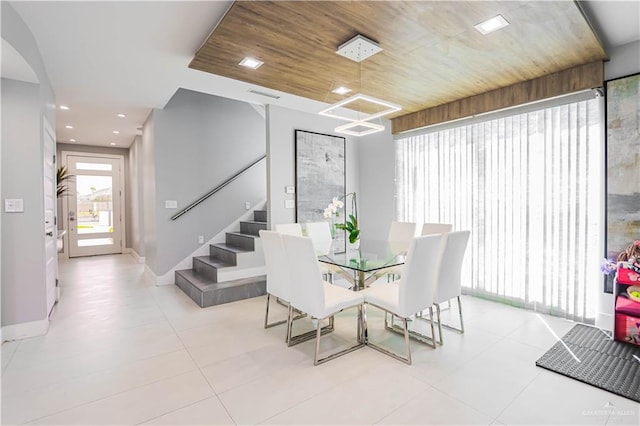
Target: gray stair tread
[(205, 284), (242, 234), (212, 261), (231, 248), (253, 221)]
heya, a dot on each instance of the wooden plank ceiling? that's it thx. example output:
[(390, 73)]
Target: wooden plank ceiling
[(431, 52)]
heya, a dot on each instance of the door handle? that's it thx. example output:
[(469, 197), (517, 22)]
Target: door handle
[(49, 234), (71, 219)]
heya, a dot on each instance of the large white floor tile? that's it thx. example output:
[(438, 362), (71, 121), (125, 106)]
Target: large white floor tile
[(432, 407), (207, 412), (366, 399), (138, 405), (39, 401)]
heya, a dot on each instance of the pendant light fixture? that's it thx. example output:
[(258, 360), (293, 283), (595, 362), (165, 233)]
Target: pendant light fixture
[(358, 49)]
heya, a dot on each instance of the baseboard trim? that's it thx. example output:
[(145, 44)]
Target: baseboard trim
[(25, 330), (136, 256)]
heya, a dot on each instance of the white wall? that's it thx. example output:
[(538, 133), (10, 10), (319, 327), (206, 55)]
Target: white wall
[(24, 109), (147, 187), (23, 277), (198, 141), (377, 183), (135, 203), (625, 60)]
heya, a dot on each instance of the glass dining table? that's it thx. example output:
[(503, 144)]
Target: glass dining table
[(364, 265)]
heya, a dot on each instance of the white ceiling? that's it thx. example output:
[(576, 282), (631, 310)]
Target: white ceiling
[(104, 58)]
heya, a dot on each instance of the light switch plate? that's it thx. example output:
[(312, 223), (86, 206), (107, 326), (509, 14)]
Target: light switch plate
[(289, 204), (290, 189), (14, 205), (170, 204)]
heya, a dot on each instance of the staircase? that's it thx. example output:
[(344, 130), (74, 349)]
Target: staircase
[(234, 270)]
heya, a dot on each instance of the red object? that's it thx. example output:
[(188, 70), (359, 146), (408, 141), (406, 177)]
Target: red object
[(628, 276), (627, 328), (627, 306)]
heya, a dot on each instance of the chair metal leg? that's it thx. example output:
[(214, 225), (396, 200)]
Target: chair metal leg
[(316, 358), (450, 327), (439, 323), (303, 337), (405, 330), (429, 340), (273, 324)]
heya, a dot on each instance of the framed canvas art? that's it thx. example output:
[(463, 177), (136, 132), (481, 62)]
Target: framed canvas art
[(320, 176)]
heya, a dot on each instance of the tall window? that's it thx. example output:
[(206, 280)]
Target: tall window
[(529, 187)]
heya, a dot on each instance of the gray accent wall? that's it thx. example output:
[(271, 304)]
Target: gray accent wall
[(281, 126), (194, 144), (24, 108)]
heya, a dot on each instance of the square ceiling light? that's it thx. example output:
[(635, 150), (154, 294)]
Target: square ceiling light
[(359, 128), (491, 25), (250, 62), (359, 48), (390, 108)]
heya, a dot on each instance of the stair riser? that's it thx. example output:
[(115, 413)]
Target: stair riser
[(224, 255), (232, 294), (241, 241), (252, 228), (221, 295), (260, 216), (207, 270), (190, 290)]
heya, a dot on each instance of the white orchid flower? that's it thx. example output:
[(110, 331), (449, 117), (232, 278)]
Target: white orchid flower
[(327, 213)]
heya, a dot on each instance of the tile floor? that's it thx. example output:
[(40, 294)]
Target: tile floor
[(122, 351)]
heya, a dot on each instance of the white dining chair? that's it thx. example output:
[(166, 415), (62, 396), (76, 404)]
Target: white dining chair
[(289, 229), (316, 297), (279, 283), (450, 277), (401, 235), (278, 274), (320, 234), (436, 228), (413, 293)]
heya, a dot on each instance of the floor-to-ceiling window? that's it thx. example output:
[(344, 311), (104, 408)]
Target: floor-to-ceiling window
[(529, 187)]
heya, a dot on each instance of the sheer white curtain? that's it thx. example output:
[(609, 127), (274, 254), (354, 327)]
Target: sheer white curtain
[(529, 187)]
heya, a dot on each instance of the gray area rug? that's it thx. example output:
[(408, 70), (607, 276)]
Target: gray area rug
[(604, 363)]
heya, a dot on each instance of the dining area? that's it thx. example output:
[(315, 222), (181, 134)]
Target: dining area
[(409, 279)]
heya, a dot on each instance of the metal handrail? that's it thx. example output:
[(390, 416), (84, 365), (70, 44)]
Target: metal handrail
[(217, 188)]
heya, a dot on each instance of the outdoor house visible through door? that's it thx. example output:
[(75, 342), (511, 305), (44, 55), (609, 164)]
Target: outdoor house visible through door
[(93, 207)]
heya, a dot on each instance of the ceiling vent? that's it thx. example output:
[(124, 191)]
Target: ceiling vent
[(359, 48), (268, 95)]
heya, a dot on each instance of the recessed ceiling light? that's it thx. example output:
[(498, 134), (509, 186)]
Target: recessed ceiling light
[(121, 115), (68, 127), (491, 25), (112, 143), (116, 132), (341, 90), (72, 140), (64, 107), (252, 63)]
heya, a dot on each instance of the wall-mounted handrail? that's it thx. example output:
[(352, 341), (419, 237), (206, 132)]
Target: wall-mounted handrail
[(217, 188)]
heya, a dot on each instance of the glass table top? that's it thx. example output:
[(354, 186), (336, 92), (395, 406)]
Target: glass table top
[(370, 256)]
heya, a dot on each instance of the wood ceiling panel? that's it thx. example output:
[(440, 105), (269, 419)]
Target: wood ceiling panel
[(432, 54)]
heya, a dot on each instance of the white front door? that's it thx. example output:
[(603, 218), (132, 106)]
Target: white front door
[(94, 204), (50, 231)]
